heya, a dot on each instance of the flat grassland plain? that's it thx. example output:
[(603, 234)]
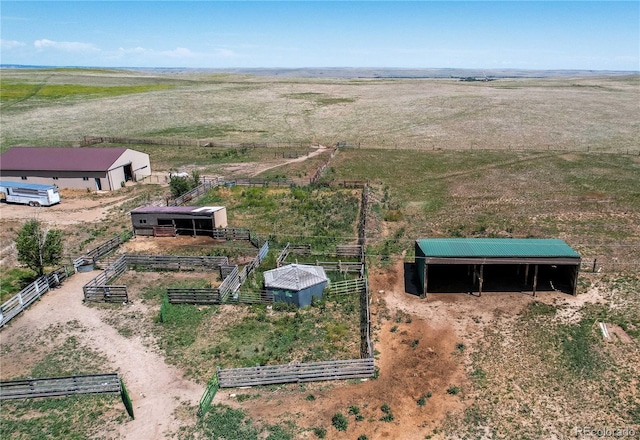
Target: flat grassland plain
[(512, 157)]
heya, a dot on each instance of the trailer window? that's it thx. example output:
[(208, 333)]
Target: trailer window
[(23, 177), (85, 178), (55, 178)]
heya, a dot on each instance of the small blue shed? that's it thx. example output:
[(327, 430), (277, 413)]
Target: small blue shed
[(296, 283)]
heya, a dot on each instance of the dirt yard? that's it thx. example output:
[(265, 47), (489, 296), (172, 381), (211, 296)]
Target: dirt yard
[(156, 388), (417, 345)]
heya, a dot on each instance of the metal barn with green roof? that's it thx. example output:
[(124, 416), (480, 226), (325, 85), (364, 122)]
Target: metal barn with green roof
[(496, 265)]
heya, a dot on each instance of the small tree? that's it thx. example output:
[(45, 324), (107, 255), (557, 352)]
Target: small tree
[(179, 186), (37, 248), (195, 179)]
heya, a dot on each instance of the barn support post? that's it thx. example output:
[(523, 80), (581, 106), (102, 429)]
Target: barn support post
[(193, 225), (576, 269), (535, 279), (426, 279), (481, 279), (475, 274)]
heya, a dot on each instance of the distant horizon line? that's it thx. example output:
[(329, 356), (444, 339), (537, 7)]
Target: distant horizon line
[(372, 72)]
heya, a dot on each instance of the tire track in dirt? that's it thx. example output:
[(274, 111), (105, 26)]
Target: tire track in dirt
[(156, 389)]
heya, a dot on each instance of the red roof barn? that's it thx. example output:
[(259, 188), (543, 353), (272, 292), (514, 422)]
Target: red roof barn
[(91, 168)]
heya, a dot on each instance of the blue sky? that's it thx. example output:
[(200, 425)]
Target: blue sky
[(419, 34)]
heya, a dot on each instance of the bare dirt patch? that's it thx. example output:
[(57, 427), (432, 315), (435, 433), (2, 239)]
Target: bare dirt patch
[(71, 210), (618, 334), (421, 348), (253, 169), (164, 245)]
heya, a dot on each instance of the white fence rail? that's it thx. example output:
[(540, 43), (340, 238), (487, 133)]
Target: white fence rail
[(23, 299)]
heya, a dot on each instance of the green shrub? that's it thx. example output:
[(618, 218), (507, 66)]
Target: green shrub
[(320, 432), (453, 390), (388, 416), (340, 422)]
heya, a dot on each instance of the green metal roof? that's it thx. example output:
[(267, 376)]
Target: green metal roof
[(495, 247)]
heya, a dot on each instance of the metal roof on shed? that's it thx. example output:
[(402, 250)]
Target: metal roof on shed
[(59, 159), (294, 277), (195, 210), (496, 247), (27, 185)]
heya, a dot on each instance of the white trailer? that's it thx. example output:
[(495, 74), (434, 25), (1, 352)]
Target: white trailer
[(30, 194)]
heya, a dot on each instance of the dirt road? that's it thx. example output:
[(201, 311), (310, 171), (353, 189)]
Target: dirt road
[(156, 388)]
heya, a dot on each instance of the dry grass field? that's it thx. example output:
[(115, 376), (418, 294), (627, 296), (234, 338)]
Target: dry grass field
[(596, 113), (523, 157)]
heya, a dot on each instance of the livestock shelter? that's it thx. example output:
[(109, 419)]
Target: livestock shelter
[(178, 220), (496, 265), (296, 283), (94, 169)]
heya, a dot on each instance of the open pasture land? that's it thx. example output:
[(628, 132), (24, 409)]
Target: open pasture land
[(596, 113), (543, 157)]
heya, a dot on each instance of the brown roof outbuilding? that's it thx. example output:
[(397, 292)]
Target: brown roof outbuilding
[(59, 159)]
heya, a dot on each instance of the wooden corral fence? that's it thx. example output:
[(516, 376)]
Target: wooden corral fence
[(212, 296), (92, 140), (195, 192), (225, 270), (284, 253), (298, 372), (226, 291), (193, 296), (27, 296), (101, 250), (366, 343), (98, 289), (60, 386), (231, 234), (164, 231), (174, 262), (252, 297), (342, 266), (253, 264), (348, 250), (353, 183), (323, 166), (252, 181), (300, 249)]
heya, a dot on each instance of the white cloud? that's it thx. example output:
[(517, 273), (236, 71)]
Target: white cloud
[(10, 44), (227, 53), (65, 46), (179, 52)]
